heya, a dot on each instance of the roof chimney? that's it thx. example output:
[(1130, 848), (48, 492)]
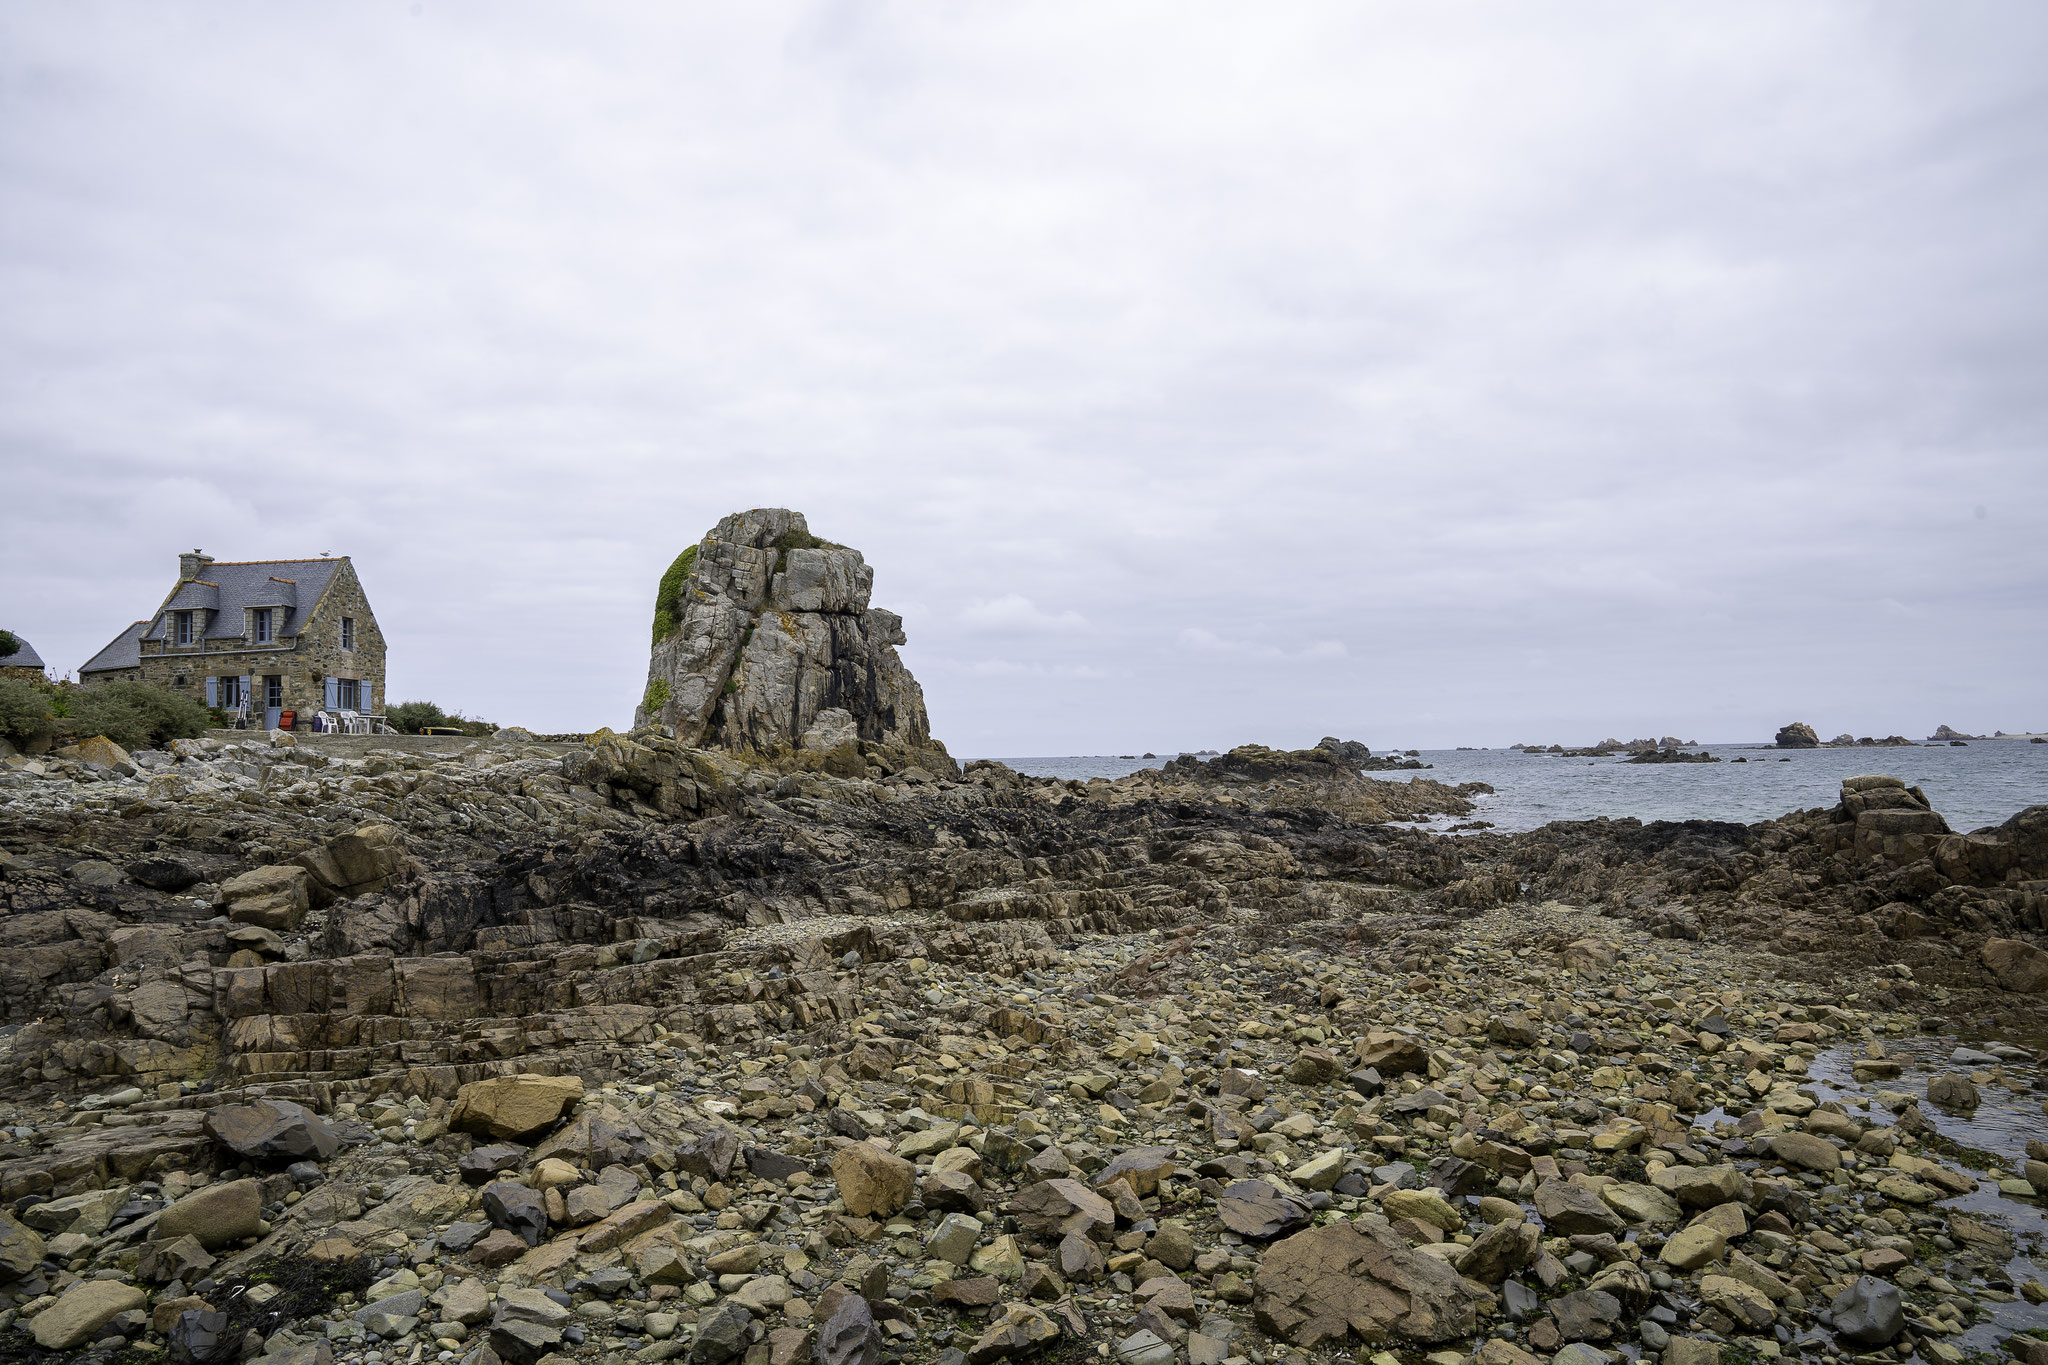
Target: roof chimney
[(189, 565)]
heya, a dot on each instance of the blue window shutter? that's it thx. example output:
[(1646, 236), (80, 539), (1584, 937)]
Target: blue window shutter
[(332, 690), (366, 708), (213, 691)]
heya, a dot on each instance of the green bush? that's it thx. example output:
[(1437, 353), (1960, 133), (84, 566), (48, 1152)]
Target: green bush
[(657, 697), (411, 717), (135, 715), (10, 643), (669, 595), (25, 711)]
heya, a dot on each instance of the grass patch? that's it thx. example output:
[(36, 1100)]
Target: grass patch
[(668, 597), (657, 697)]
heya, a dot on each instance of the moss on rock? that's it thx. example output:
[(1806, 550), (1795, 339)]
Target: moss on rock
[(667, 596)]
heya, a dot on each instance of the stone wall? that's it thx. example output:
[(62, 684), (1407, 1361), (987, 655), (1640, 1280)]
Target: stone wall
[(304, 661)]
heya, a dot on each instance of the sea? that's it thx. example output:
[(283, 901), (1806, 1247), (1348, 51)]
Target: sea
[(1984, 783)]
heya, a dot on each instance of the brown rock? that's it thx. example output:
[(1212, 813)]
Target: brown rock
[(1390, 1053), (2015, 965), (980, 1291), (1062, 1208), (513, 1108), (216, 1215), (1332, 1282), (872, 1181), (1807, 1151), (501, 1247), (272, 897), (1021, 1331), (1569, 1208), (1255, 1209), (1142, 1168)]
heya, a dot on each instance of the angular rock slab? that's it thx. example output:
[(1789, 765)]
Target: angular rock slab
[(1345, 1279), (1255, 1209), (513, 1108), (275, 1131)]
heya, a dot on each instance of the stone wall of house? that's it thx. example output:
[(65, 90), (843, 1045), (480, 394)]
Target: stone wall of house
[(26, 674), (313, 656)]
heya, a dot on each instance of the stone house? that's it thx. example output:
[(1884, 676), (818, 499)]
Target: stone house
[(22, 663), (257, 636)]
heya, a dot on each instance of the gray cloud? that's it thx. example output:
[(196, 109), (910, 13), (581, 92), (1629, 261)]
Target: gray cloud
[(1453, 375)]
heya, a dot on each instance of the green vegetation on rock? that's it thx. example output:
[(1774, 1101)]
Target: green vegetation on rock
[(668, 596), (657, 697), (418, 717), (135, 715), (25, 711), (411, 717)]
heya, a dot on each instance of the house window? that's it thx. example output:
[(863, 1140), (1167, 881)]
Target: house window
[(184, 627), (273, 692), (348, 632), (263, 626), (347, 691), (232, 695)]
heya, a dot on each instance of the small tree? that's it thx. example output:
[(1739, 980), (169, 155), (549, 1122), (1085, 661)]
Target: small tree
[(137, 716), (10, 644), (24, 711), (412, 717)]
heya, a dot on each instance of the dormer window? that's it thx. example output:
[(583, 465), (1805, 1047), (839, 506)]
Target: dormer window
[(184, 627), (348, 632), (262, 634)]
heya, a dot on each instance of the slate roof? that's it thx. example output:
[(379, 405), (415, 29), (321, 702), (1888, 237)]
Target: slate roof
[(121, 652), (25, 657), (229, 588)]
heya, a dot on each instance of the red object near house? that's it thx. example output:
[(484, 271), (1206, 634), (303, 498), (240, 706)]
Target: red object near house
[(286, 719)]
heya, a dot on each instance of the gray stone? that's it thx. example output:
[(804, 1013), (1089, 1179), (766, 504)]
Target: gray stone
[(275, 1131), (722, 1334), (217, 1215), (1869, 1312), (850, 1336), (80, 1312), (767, 633)]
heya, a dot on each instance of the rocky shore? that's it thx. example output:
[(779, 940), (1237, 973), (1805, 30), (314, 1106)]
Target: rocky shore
[(626, 1048)]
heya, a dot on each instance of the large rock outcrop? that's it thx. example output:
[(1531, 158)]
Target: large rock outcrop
[(764, 641), (1798, 735)]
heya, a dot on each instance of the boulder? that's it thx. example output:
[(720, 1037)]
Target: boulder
[(21, 1250), (1798, 735), (79, 1313), (277, 1132), (165, 873), (850, 1335), (1869, 1312), (762, 631), (217, 1215), (1255, 1209), (1060, 1208), (516, 1208), (100, 752), (872, 1181), (1952, 1090), (1567, 1208), (1330, 1283), (274, 897), (2015, 965), (1807, 1152), (513, 1108), (1021, 1331)]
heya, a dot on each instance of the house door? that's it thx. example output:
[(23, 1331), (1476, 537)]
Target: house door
[(273, 701)]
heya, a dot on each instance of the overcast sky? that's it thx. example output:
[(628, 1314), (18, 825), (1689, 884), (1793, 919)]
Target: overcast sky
[(1191, 375)]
